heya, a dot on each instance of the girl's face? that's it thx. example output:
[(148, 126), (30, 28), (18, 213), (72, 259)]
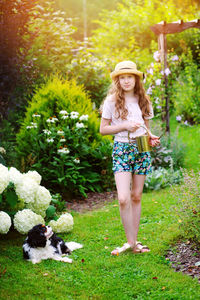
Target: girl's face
[(127, 82)]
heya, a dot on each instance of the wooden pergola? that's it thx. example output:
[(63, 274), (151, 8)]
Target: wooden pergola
[(161, 30)]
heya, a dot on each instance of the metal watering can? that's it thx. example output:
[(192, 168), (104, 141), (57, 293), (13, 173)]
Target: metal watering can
[(143, 141)]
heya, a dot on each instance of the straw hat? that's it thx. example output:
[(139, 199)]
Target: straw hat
[(125, 67)]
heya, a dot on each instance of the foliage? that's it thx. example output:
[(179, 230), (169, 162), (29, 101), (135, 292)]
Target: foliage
[(60, 138), (52, 42), (113, 39), (14, 18), (161, 178), (91, 72), (188, 205), (186, 91)]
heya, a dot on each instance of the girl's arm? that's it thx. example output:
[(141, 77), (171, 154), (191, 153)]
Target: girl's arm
[(106, 128)]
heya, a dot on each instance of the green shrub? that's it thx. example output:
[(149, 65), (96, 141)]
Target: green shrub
[(60, 138), (161, 178), (188, 205), (171, 152), (186, 91)]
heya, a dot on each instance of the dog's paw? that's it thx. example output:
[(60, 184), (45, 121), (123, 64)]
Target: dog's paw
[(67, 260), (34, 261)]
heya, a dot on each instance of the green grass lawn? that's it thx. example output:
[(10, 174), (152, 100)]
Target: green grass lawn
[(94, 273)]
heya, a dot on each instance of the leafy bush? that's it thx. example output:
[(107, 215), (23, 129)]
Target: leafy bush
[(60, 138), (161, 178), (188, 205), (186, 93), (171, 151), (91, 72)]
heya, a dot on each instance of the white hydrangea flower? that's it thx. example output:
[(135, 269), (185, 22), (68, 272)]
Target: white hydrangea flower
[(26, 189), (25, 219), (63, 224), (83, 118), (15, 176), (5, 222), (4, 178), (33, 175), (42, 201)]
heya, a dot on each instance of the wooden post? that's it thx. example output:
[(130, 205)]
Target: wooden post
[(161, 30)]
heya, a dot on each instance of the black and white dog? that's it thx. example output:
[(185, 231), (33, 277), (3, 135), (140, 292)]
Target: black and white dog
[(42, 243)]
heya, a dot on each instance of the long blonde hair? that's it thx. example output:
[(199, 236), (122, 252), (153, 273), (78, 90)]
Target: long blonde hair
[(143, 99)]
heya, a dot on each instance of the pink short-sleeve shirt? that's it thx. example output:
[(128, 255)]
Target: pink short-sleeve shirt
[(134, 114)]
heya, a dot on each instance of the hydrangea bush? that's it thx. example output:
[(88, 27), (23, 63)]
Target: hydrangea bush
[(26, 202)]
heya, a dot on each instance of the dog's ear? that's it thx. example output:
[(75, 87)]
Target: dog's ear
[(36, 237)]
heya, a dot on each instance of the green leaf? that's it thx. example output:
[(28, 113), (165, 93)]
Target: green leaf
[(11, 198), (50, 211)]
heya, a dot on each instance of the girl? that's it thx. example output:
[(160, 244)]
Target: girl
[(125, 109)]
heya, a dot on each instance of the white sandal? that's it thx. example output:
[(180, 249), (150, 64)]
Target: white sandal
[(122, 249)]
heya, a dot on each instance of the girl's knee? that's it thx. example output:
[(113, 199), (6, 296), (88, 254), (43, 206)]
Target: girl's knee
[(123, 200), (136, 197)]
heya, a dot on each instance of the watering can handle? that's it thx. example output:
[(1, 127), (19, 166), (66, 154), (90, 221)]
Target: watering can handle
[(147, 130)]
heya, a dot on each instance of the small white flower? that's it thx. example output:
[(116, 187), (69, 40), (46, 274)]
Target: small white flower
[(62, 140), (5, 222), (186, 123), (80, 125), (157, 100), (2, 150), (175, 57), (64, 117), (83, 118), (64, 150), (50, 140), (156, 56), (52, 120), (159, 107), (29, 127), (158, 82), (36, 115), (162, 72), (178, 118), (167, 71), (34, 124), (77, 160), (60, 132), (63, 112), (74, 115), (48, 132)]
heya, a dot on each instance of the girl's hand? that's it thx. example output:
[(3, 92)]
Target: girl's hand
[(154, 140), (132, 126)]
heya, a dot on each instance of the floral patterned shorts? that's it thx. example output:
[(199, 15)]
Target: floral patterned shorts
[(126, 158)]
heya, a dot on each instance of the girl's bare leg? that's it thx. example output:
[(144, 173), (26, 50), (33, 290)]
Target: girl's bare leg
[(136, 196), (123, 184)]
